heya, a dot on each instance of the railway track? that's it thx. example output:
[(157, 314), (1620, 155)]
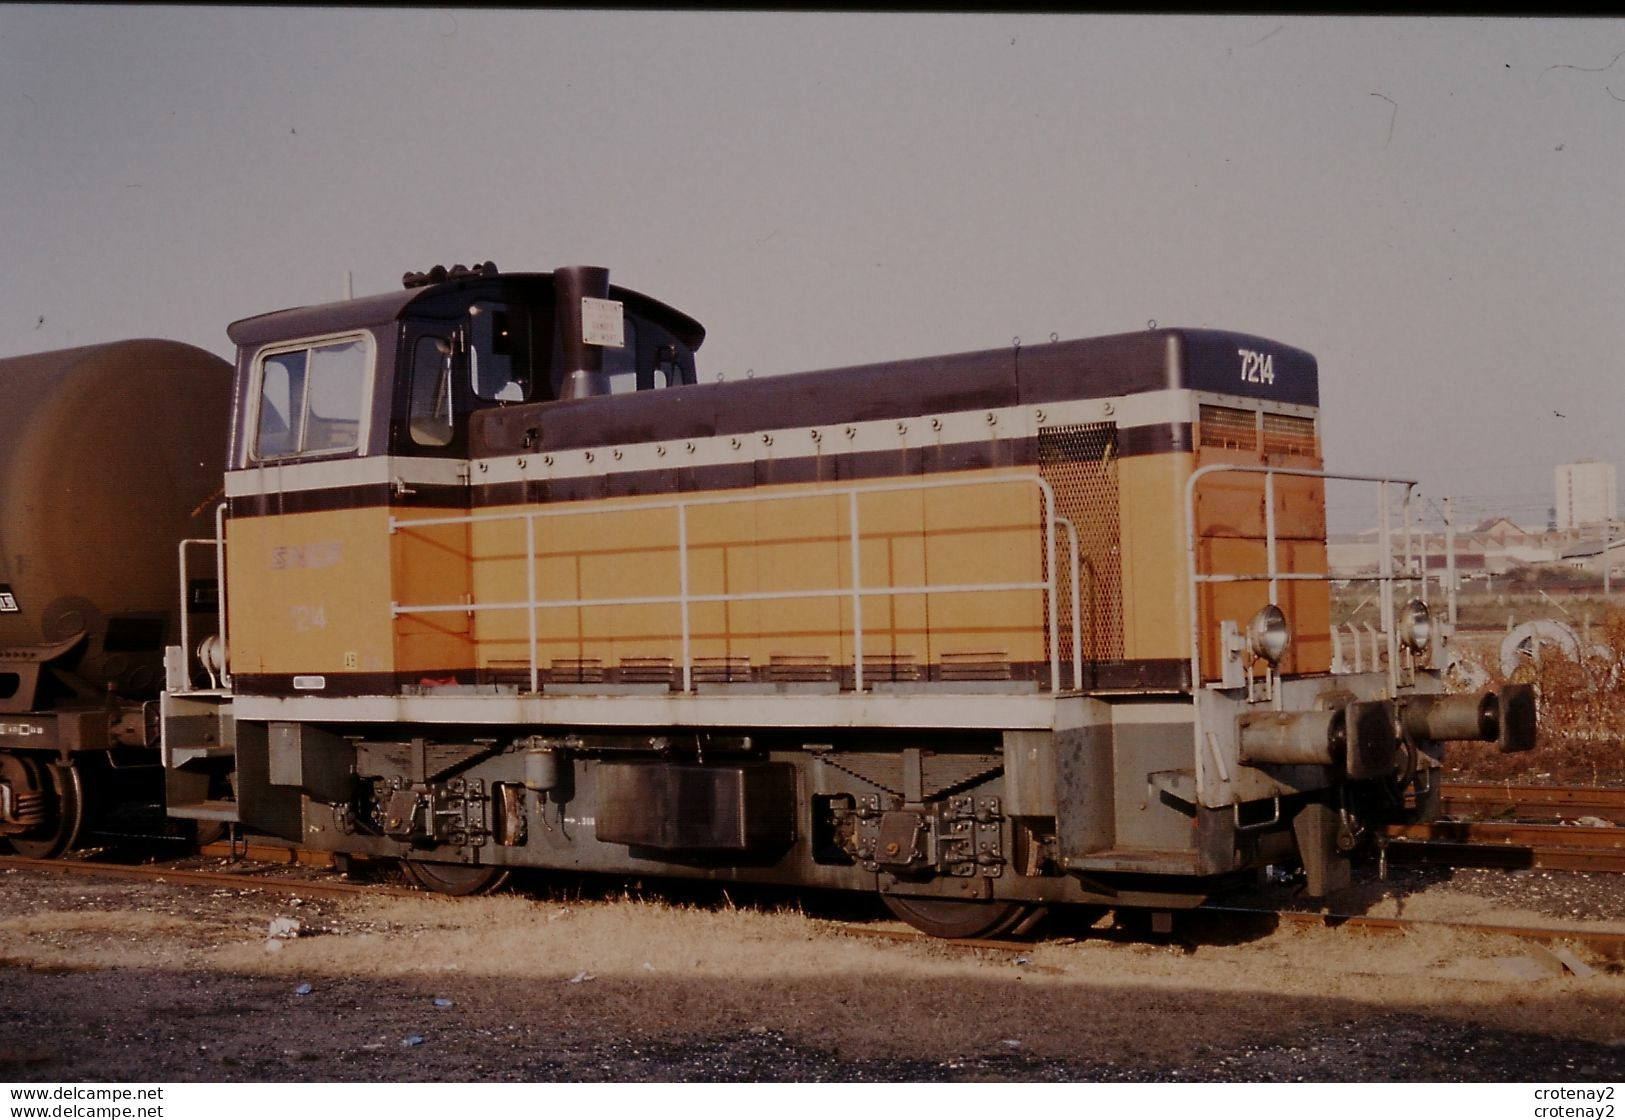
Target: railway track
[(1549, 847), (1506, 799), (1496, 824), (1488, 824), (258, 879), (1606, 943), (1492, 824)]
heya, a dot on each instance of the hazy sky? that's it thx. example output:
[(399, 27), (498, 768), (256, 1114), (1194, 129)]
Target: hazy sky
[(1434, 207)]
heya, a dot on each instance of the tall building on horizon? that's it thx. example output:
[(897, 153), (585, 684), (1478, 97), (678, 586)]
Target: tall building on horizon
[(1586, 495)]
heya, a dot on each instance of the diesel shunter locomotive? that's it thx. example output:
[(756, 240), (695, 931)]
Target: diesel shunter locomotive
[(502, 584)]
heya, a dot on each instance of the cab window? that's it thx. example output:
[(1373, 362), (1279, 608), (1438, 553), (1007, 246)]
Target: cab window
[(311, 399), (621, 362), (431, 415), (500, 363), (618, 365)]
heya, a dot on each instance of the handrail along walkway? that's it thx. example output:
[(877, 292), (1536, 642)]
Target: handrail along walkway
[(686, 599)]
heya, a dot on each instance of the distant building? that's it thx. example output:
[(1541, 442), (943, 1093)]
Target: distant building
[(1500, 532), (1352, 554), (1586, 495), (1589, 555), (1494, 546)]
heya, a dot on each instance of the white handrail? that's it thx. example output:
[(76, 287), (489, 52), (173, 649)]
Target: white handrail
[(856, 592), (218, 542), (1077, 613), (1273, 575), (186, 630)]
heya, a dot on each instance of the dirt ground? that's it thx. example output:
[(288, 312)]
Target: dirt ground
[(109, 980)]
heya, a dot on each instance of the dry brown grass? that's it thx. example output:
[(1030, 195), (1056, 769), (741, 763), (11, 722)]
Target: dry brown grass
[(1582, 715), (695, 977), (675, 971)]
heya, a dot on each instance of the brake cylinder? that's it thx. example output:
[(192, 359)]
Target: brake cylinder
[(541, 769)]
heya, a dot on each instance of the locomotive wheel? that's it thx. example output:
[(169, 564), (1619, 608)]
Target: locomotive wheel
[(64, 791), (954, 919), (453, 878), (207, 832)]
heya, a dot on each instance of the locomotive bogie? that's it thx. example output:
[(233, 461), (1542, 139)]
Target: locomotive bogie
[(1104, 810), (913, 822)]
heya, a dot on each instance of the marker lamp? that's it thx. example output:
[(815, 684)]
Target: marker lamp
[(1268, 634)]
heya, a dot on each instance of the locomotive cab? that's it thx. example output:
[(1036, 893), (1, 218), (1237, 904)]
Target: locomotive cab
[(400, 375)]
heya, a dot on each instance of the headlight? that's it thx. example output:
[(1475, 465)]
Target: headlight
[(1268, 634), (1416, 626)]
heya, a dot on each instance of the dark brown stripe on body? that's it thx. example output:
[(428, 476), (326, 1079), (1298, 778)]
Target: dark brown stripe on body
[(859, 466), (1166, 674), (366, 496), (1075, 370)]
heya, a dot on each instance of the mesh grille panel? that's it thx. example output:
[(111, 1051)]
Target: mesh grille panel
[(1229, 427), (1079, 461), (1289, 435)]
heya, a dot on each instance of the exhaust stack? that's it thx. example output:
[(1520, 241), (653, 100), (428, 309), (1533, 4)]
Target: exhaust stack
[(583, 361)]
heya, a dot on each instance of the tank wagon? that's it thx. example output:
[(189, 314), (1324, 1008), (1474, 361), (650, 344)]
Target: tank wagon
[(506, 586), (110, 456)]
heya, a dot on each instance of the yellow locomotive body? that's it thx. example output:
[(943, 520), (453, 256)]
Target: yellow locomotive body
[(979, 632), (951, 572)]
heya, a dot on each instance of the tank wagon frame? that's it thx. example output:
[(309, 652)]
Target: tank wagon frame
[(505, 586)]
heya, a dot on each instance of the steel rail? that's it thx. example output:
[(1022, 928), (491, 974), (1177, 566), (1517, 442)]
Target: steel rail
[(256, 851), (1509, 857), (1556, 837), (1506, 798), (1606, 943), (1551, 847), (909, 936), (1609, 943), (235, 880)]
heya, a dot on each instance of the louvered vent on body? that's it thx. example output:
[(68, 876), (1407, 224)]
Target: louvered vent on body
[(1289, 435), (1228, 427)]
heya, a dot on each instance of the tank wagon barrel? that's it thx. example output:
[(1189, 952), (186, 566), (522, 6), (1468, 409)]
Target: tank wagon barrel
[(109, 456)]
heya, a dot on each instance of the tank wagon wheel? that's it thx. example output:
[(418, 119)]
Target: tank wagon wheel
[(64, 791), (453, 878), (955, 919)]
